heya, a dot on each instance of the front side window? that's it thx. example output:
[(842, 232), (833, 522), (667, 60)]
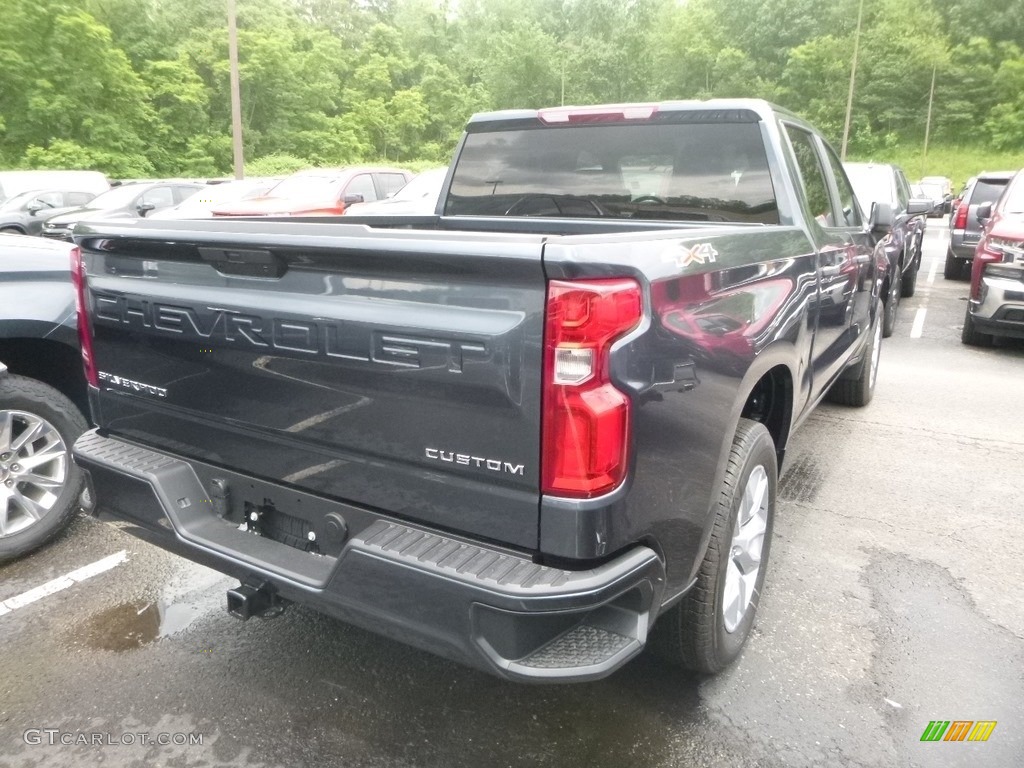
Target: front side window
[(847, 201), (812, 176), (158, 197), (362, 185)]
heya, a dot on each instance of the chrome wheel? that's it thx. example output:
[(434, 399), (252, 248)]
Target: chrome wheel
[(34, 468), (745, 549)]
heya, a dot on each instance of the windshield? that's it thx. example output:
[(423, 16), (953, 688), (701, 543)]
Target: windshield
[(426, 184), (871, 183), (118, 197), (1014, 202), (15, 203), (309, 185), (220, 193), (695, 171), (932, 191)]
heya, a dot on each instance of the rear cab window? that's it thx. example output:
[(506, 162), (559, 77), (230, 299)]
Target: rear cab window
[(684, 171)]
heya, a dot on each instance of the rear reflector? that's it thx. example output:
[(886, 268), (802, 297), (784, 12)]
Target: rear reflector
[(585, 449), (78, 280)]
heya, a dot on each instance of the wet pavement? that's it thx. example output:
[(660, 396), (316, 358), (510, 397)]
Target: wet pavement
[(892, 600)]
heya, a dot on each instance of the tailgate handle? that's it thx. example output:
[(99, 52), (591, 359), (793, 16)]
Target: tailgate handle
[(245, 262)]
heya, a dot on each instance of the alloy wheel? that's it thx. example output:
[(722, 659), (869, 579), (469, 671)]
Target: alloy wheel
[(745, 549), (34, 468)]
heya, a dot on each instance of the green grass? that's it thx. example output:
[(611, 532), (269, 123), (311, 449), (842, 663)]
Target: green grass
[(956, 163)]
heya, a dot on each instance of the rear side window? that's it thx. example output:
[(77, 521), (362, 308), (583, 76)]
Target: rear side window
[(78, 198), (652, 171)]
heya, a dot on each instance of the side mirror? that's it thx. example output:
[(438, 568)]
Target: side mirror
[(144, 208), (984, 211), (352, 198), (882, 217), (34, 208), (918, 205)]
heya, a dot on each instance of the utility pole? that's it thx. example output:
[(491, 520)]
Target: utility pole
[(853, 79), (928, 122), (236, 98)]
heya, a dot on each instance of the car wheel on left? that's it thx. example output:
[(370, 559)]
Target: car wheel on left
[(40, 485), (910, 278), (892, 304)]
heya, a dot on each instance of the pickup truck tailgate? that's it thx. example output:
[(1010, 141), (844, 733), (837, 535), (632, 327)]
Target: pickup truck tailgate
[(399, 370)]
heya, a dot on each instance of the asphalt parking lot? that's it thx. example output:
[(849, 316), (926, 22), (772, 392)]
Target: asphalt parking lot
[(892, 600)]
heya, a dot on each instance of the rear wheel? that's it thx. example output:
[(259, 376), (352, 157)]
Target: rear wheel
[(953, 268), (892, 305), (706, 631), (910, 278), (860, 387), (972, 336), (39, 483)]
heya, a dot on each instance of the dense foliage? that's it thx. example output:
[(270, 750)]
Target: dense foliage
[(140, 87)]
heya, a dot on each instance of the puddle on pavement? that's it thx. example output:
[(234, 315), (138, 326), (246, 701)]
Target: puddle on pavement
[(127, 626)]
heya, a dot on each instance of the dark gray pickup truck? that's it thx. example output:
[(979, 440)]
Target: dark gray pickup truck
[(519, 433)]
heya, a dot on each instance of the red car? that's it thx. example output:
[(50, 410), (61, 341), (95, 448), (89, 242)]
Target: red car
[(996, 306), (321, 192)]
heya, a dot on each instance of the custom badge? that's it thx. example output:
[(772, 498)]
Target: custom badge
[(702, 253)]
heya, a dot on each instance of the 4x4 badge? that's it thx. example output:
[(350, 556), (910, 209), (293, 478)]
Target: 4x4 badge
[(702, 253)]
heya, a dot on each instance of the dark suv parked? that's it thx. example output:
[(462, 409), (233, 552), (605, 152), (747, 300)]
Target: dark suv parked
[(964, 225), (885, 189), (126, 201)]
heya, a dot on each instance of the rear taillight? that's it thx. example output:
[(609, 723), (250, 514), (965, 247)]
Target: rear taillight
[(585, 449), (992, 250), (78, 280), (961, 217)]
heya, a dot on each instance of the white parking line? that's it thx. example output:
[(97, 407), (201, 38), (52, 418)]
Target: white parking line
[(918, 327), (63, 582), (932, 270)]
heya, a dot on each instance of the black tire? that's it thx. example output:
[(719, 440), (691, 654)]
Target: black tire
[(857, 386), (909, 286), (953, 268), (971, 336), (28, 396), (891, 305), (693, 633)]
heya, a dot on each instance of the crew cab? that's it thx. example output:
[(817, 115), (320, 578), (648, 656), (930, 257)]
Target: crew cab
[(522, 432)]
